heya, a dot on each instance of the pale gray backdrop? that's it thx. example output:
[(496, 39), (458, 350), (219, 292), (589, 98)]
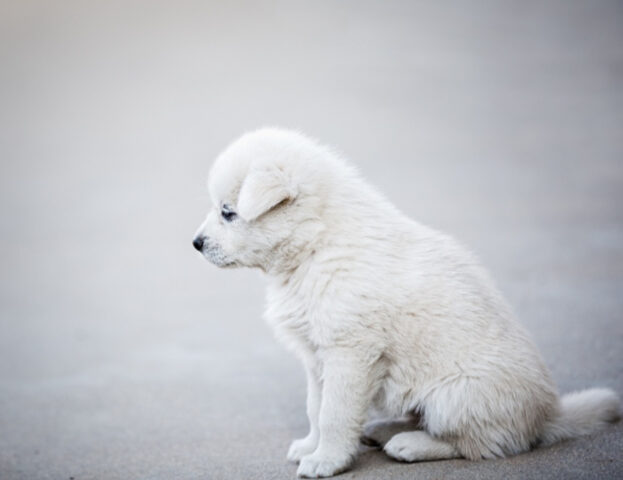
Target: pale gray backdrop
[(124, 355)]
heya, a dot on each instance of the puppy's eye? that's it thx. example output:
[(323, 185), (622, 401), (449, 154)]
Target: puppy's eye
[(227, 213)]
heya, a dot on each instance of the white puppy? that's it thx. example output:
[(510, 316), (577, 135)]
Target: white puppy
[(383, 312)]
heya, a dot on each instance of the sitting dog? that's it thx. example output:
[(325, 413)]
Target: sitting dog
[(383, 312)]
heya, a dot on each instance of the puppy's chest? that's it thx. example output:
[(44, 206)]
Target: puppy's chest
[(296, 316)]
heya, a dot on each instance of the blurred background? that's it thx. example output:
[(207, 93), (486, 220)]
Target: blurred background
[(124, 355)]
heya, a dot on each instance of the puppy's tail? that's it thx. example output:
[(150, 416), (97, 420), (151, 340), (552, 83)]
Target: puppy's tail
[(581, 413)]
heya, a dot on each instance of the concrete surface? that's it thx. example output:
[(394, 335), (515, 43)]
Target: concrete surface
[(123, 355)]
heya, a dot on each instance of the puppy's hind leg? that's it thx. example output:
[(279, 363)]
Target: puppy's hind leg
[(419, 446)]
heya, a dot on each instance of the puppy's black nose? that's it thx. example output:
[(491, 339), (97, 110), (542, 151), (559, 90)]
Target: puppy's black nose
[(198, 243)]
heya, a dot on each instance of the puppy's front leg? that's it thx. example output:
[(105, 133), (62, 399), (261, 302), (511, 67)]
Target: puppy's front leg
[(305, 446), (347, 390)]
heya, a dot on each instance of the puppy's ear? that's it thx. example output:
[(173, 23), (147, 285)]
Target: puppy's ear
[(263, 188)]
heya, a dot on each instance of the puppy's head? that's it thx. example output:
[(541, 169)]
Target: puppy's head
[(264, 211)]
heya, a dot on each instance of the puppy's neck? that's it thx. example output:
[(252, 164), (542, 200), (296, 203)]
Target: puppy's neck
[(294, 254)]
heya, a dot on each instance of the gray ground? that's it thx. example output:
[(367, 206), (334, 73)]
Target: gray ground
[(123, 355)]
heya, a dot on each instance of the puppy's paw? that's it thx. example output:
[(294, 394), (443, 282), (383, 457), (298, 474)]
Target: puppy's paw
[(301, 447), (319, 465), (401, 448), (419, 446), (378, 432)]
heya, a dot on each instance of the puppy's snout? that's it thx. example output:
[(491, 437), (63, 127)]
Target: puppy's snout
[(198, 242)]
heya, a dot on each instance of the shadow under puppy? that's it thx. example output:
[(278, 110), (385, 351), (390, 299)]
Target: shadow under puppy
[(384, 313)]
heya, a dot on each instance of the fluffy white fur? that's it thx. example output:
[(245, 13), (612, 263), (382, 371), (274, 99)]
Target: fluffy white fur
[(384, 313)]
